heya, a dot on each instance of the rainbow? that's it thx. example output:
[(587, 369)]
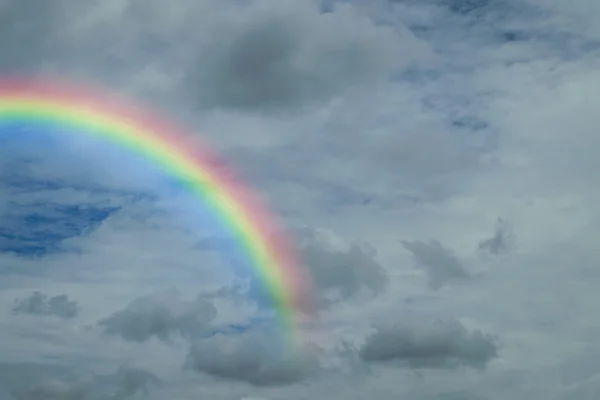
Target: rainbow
[(88, 111)]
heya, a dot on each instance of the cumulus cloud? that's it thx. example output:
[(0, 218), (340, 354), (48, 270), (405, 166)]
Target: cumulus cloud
[(340, 270), (424, 344), (42, 304), (253, 357), (161, 315), (439, 263)]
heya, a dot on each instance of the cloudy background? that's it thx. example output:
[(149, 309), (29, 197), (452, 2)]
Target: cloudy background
[(436, 161)]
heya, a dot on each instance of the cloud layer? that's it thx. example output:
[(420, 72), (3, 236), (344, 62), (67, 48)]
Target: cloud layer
[(434, 162)]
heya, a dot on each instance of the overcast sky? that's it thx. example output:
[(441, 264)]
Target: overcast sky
[(435, 160)]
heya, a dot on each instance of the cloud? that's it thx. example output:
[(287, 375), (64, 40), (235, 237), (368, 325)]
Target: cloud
[(32, 381), (437, 344), (253, 357), (161, 315), (457, 395), (51, 390), (42, 304), (124, 384), (32, 26), (285, 55), (340, 270), (440, 264), (502, 241), (133, 381), (375, 120)]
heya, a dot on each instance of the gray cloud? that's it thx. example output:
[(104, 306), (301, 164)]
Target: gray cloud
[(458, 395), (340, 270), (253, 358), (438, 344), (51, 390), (502, 120), (29, 384), (34, 381), (289, 55), (502, 241), (439, 263), (133, 381), (27, 33), (42, 304), (161, 315)]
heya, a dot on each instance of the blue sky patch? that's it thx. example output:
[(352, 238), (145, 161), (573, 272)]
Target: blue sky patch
[(36, 231)]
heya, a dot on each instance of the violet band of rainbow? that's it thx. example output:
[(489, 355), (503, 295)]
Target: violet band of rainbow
[(91, 112)]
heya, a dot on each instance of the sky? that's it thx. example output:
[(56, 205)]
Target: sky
[(432, 160)]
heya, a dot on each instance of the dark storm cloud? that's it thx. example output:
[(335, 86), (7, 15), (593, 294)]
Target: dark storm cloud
[(251, 358), (42, 304), (162, 315), (439, 263), (439, 344)]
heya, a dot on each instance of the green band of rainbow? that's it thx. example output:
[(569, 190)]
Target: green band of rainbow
[(88, 111)]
